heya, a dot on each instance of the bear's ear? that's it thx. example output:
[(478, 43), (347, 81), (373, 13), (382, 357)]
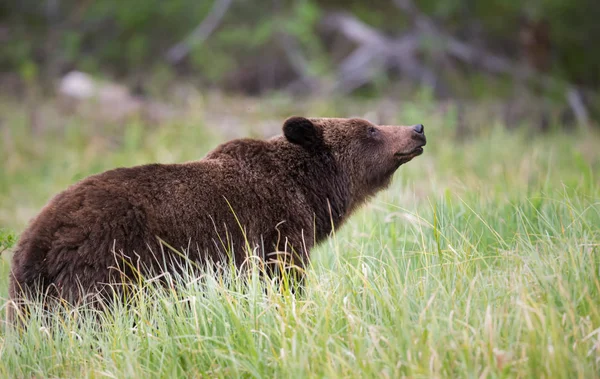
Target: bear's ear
[(301, 131)]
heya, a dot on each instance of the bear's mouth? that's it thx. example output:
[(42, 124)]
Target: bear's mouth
[(410, 155)]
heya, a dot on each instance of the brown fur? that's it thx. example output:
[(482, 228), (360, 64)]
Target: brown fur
[(287, 194)]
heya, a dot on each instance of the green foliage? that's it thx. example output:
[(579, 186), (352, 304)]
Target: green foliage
[(7, 239), (131, 38), (301, 25)]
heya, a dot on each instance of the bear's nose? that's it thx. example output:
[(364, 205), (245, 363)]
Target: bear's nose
[(419, 128)]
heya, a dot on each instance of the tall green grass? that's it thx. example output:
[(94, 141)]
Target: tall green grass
[(481, 260)]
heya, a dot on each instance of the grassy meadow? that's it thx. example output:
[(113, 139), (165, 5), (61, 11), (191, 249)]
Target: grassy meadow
[(481, 260)]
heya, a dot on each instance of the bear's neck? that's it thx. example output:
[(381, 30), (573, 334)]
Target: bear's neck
[(327, 190)]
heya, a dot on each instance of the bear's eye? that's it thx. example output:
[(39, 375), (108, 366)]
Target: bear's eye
[(372, 131)]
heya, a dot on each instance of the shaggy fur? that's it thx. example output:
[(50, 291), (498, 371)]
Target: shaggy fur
[(246, 197)]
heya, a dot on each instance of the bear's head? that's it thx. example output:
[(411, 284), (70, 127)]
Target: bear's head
[(368, 154)]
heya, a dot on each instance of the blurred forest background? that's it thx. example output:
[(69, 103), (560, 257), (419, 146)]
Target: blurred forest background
[(536, 60), (482, 259)]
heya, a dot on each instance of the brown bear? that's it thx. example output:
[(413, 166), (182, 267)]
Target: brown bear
[(245, 198)]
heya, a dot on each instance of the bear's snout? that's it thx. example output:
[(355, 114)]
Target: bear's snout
[(419, 134), (419, 128)]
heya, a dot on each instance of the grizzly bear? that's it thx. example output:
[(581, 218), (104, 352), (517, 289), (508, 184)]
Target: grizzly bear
[(245, 198)]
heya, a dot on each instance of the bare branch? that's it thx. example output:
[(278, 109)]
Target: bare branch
[(374, 53), (200, 33), (357, 69), (355, 30), (298, 62), (578, 107)]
